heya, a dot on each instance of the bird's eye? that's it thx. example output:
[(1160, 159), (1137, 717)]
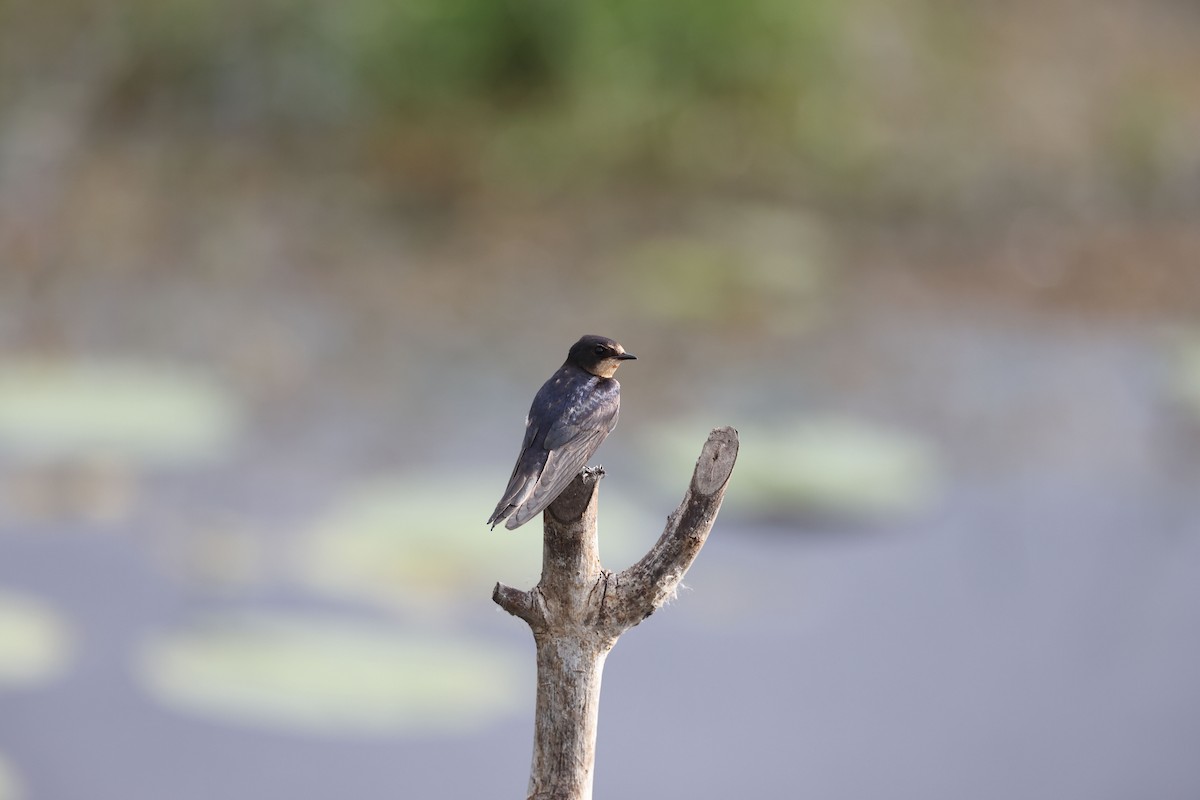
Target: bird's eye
[(601, 350)]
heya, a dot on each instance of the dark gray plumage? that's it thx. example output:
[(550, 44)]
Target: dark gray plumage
[(570, 416)]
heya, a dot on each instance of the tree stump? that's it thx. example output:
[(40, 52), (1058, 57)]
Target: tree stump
[(579, 609)]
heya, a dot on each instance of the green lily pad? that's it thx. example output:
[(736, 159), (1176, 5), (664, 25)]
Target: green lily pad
[(1185, 377), (330, 675), (423, 543), (34, 642), (834, 465), (53, 409), (10, 783)]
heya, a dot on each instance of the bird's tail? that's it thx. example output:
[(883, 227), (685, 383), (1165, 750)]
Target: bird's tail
[(502, 511), (520, 486)]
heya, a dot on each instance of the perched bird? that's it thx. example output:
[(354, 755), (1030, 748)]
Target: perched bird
[(570, 416)]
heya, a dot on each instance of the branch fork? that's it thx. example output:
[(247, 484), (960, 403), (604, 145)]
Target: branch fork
[(578, 610)]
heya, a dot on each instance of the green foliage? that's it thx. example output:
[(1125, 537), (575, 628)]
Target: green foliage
[(1137, 137), (550, 90), (443, 53), (912, 106), (533, 88), (427, 55), (708, 50)]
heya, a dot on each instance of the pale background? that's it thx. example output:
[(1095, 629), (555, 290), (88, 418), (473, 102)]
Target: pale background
[(278, 281)]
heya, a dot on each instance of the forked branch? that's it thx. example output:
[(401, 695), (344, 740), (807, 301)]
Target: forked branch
[(579, 609)]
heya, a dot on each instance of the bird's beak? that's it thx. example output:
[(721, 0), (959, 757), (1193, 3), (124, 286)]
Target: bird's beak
[(626, 357)]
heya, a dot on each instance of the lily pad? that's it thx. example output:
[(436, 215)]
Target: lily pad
[(1185, 378), (423, 543), (55, 409), (330, 675), (10, 784), (34, 642), (833, 466)]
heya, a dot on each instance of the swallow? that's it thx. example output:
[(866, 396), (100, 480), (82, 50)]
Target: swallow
[(570, 416)]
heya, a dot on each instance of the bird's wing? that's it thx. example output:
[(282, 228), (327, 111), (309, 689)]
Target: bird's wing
[(571, 441), (593, 413), (562, 465)]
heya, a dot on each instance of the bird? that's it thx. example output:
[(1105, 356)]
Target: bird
[(570, 416)]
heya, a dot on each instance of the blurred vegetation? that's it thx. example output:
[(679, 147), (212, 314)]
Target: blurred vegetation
[(1185, 371), (415, 543), (34, 642), (831, 467), (329, 675), (733, 264), (912, 104), (62, 409), (10, 786)]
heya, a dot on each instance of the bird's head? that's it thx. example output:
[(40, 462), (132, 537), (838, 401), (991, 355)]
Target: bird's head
[(598, 355)]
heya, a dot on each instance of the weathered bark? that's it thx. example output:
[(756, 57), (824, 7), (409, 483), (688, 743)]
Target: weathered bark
[(579, 609)]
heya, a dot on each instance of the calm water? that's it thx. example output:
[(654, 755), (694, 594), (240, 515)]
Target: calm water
[(1030, 631)]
